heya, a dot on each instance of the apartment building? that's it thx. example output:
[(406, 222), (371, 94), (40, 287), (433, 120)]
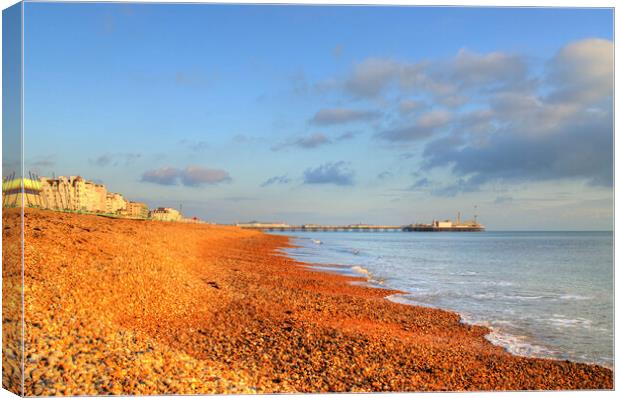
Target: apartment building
[(115, 203), (63, 193), (136, 210), (73, 193)]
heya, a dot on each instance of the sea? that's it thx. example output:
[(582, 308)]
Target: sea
[(542, 294)]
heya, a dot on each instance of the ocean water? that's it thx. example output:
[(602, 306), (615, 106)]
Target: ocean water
[(543, 294)]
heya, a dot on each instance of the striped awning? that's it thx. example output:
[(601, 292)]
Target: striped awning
[(16, 184)]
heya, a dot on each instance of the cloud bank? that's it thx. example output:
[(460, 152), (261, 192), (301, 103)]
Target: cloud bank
[(336, 173), (494, 117), (526, 135), (283, 179), (191, 176)]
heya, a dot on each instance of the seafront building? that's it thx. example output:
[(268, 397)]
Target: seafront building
[(166, 214), (63, 193), (135, 210), (100, 194), (115, 202), (74, 193)]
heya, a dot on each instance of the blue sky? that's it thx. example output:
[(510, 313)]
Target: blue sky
[(309, 114)]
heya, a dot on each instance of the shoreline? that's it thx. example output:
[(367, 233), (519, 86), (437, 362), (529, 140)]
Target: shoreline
[(126, 307), (492, 331), (370, 281)]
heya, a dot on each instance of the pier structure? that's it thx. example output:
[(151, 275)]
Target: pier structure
[(365, 228), (447, 226), (321, 228), (435, 226)]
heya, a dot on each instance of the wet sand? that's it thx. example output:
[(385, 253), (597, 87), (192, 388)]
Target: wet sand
[(140, 307)]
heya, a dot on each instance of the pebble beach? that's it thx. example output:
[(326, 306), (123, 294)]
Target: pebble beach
[(117, 306)]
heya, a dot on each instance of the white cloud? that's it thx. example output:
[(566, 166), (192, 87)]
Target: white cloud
[(583, 71), (336, 173), (472, 69), (192, 176), (195, 176), (370, 77), (423, 127), (434, 119)]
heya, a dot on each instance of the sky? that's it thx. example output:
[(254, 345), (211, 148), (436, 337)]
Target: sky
[(11, 92), (336, 115)]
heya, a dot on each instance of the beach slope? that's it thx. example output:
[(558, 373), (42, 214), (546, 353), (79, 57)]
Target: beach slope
[(118, 306)]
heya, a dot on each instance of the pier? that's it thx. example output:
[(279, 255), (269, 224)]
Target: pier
[(364, 228), (435, 226), (324, 228)]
